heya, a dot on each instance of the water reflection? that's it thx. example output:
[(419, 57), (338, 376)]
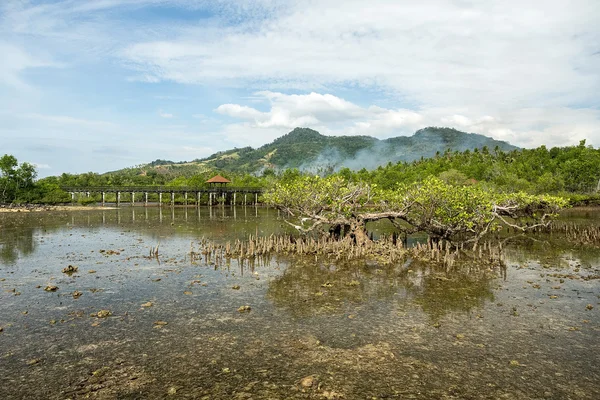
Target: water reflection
[(18, 230), (16, 238), (309, 287), (361, 330), (550, 250), (439, 292)]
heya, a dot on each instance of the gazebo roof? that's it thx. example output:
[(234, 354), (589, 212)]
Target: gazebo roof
[(218, 179)]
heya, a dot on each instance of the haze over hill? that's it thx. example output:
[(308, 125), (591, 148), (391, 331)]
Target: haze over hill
[(307, 149)]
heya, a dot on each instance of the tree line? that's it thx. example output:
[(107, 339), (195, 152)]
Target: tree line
[(559, 170), (572, 172)]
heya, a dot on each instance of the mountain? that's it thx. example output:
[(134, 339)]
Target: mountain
[(305, 148)]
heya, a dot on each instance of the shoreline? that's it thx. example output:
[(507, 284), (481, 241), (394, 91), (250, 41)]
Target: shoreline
[(40, 208)]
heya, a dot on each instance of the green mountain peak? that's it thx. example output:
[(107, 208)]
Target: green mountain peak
[(305, 148)]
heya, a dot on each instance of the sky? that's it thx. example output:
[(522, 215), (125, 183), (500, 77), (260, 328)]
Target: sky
[(99, 85)]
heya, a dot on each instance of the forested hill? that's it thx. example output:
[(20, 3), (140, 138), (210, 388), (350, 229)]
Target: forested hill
[(307, 149)]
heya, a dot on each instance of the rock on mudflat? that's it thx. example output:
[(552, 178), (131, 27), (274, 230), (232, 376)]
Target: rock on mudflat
[(103, 314), (308, 381), (70, 269)]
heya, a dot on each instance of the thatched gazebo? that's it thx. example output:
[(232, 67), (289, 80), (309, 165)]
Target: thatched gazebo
[(218, 181)]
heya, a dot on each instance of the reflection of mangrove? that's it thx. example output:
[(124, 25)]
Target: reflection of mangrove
[(17, 239), (308, 287), (327, 273), (439, 291), (550, 250)]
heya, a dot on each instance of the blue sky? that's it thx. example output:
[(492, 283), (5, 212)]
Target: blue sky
[(105, 84)]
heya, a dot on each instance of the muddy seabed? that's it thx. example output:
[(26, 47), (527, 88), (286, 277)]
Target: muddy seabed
[(128, 326)]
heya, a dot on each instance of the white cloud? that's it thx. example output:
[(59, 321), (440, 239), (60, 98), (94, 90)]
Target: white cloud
[(513, 70), (15, 60), (41, 166), (243, 112), (146, 78), (382, 122), (290, 111), (435, 52), (335, 116), (526, 72), (163, 114), (457, 119)]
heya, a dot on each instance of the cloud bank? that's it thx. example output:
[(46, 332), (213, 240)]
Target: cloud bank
[(526, 72), (335, 116)]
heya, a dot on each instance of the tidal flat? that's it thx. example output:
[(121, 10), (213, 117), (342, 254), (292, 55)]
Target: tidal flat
[(122, 324)]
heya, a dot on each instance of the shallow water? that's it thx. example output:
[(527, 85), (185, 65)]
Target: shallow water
[(316, 329)]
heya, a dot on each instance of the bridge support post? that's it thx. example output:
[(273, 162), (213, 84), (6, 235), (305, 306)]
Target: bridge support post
[(73, 197), (160, 199), (234, 197), (118, 199), (255, 199), (146, 199), (132, 198), (245, 198), (172, 199), (185, 198), (103, 198), (197, 199)]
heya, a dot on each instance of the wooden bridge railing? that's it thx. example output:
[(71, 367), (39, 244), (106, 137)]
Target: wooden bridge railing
[(215, 194), (162, 189)]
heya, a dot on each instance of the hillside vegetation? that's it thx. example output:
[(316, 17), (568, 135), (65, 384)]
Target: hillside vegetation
[(572, 171), (307, 149)]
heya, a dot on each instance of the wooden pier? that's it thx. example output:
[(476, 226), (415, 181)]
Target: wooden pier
[(196, 195)]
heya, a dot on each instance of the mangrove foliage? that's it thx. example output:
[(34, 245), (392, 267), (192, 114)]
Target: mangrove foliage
[(456, 213)]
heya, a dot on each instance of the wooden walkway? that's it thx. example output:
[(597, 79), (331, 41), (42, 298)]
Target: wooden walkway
[(201, 195)]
